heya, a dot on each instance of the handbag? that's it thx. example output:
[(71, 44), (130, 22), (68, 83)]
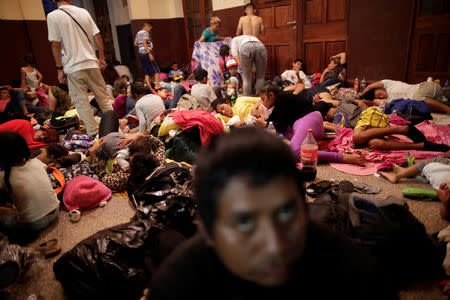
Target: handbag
[(64, 124)]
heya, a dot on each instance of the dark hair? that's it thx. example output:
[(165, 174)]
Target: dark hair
[(28, 59), (219, 101), (174, 63), (322, 107), (288, 108), (298, 60), (200, 73), (69, 159), (369, 95), (224, 50), (139, 88), (13, 152), (56, 151), (271, 88), (4, 88), (119, 86), (116, 62), (142, 164), (64, 87), (249, 4), (247, 151), (148, 23), (139, 145)]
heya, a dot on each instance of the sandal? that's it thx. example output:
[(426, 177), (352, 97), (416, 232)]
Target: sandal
[(49, 248)]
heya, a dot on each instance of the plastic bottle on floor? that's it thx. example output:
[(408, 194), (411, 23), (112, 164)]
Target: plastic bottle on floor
[(356, 84), (363, 84), (308, 157)]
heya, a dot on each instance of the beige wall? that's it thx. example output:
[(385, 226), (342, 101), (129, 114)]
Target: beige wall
[(224, 4), (156, 9), (21, 10), (122, 14)]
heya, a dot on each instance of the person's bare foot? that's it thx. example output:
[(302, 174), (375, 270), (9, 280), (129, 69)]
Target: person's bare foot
[(392, 177), (354, 159), (396, 168)]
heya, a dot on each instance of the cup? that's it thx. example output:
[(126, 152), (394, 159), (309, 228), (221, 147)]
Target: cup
[(75, 215)]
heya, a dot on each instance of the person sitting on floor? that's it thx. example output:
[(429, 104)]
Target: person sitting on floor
[(120, 92), (336, 71), (25, 182), (148, 106), (255, 239), (293, 115), (294, 76), (202, 90), (389, 90), (59, 101)]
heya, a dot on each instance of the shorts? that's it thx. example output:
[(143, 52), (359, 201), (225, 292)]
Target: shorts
[(428, 90), (149, 67), (372, 117)]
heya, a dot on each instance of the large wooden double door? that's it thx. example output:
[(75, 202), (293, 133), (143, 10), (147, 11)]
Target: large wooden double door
[(312, 30)]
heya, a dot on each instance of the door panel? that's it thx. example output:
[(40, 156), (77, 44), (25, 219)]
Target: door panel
[(324, 32), (280, 37)]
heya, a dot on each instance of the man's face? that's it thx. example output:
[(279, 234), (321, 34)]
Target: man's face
[(380, 94), (148, 27), (4, 94), (225, 109), (260, 232), (163, 94), (297, 66)]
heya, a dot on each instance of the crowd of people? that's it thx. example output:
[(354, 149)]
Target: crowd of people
[(255, 238)]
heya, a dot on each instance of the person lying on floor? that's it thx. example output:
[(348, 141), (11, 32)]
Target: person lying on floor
[(293, 115), (107, 148), (389, 90), (255, 240), (35, 139), (436, 170), (243, 108), (25, 182), (336, 71)]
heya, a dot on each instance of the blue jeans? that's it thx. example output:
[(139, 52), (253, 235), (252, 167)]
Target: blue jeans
[(178, 91)]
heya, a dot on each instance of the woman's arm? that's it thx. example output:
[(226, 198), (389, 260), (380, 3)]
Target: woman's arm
[(201, 39), (323, 75)]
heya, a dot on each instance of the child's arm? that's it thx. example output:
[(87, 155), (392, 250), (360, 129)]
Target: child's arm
[(122, 158), (39, 77), (23, 84)]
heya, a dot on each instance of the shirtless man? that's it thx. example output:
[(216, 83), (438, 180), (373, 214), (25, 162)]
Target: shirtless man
[(250, 24)]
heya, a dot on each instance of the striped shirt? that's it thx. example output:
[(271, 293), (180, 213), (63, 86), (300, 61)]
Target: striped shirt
[(140, 37)]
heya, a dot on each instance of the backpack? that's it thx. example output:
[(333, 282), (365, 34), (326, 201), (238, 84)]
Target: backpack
[(64, 124), (189, 102)]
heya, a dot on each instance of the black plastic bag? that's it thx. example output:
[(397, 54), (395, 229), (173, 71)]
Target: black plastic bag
[(167, 198), (15, 261), (115, 263)]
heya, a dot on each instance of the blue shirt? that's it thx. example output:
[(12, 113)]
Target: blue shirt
[(209, 37)]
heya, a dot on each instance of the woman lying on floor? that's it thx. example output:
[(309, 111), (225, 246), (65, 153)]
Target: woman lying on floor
[(24, 182), (293, 115)]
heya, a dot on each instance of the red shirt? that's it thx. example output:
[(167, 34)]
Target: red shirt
[(25, 129)]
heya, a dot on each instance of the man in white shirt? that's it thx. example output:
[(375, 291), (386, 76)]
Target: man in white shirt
[(389, 90), (248, 50), (72, 29), (296, 75), (202, 90)]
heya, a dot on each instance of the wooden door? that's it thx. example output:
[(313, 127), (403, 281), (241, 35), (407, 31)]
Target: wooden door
[(104, 25), (324, 32), (430, 47), (197, 15), (280, 38)]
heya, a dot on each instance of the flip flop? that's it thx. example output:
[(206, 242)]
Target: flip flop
[(49, 248), (421, 194)]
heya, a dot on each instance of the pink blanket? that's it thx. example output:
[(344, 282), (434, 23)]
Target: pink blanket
[(434, 133)]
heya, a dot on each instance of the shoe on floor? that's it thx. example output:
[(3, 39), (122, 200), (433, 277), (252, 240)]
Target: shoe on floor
[(49, 248)]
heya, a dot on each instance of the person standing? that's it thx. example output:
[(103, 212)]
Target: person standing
[(250, 24), (72, 29), (248, 50), (148, 62)]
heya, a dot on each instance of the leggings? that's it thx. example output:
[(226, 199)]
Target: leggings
[(314, 121), (109, 123)]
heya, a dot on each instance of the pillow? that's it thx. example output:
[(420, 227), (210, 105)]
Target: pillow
[(167, 125)]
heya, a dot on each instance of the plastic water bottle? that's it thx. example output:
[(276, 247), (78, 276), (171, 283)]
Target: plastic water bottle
[(363, 84), (308, 157), (356, 84)]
